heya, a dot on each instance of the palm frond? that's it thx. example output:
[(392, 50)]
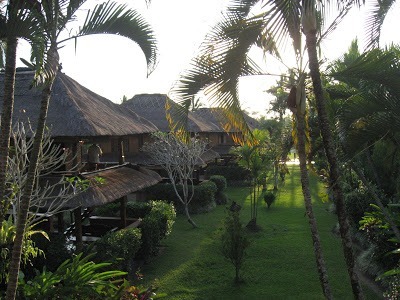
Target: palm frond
[(216, 71), (341, 14), (283, 21), (111, 18), (375, 21), (241, 8), (379, 67), (367, 117)]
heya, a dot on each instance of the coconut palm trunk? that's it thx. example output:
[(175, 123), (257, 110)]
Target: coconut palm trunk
[(335, 185), (6, 120), (319, 258), (32, 171)]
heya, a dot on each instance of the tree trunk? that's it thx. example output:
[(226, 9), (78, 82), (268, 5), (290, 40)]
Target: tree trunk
[(276, 173), (6, 120), (334, 179), (319, 258), (188, 216), (26, 197)]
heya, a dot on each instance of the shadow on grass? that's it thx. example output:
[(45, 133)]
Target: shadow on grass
[(280, 261)]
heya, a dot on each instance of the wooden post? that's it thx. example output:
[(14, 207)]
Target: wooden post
[(121, 155), (60, 222), (78, 230), (77, 155), (123, 200), (50, 219)]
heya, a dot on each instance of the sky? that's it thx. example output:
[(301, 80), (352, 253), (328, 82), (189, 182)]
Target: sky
[(114, 67)]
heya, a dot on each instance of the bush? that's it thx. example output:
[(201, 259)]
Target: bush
[(108, 210), (137, 210), (120, 245), (220, 182), (357, 203), (220, 196), (234, 242), (77, 278), (55, 252), (155, 226), (203, 198), (269, 198), (231, 172), (166, 215), (151, 236), (202, 201), (133, 209)]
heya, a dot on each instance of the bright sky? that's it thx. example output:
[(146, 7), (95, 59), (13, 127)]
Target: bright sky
[(113, 66)]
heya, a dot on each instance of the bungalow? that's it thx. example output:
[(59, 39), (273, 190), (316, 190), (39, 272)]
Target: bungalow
[(78, 117)]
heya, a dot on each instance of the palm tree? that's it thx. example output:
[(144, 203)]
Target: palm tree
[(18, 21), (299, 112), (107, 18), (224, 59), (255, 158), (369, 116), (309, 22)]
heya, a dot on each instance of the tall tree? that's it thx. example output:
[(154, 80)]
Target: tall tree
[(297, 104), (310, 30), (19, 20), (109, 18), (224, 59)]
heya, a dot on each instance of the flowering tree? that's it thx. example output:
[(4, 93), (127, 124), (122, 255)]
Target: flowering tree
[(178, 157), (49, 196)]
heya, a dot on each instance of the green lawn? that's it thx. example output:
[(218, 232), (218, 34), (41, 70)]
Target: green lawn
[(280, 262)]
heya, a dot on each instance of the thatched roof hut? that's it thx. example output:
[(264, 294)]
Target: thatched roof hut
[(215, 115), (153, 108), (119, 181), (74, 110)]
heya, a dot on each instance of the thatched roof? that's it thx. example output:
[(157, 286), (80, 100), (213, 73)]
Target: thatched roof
[(119, 181), (152, 108), (74, 110), (216, 116)]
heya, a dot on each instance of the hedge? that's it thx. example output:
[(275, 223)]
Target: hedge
[(203, 199), (120, 246), (232, 172)]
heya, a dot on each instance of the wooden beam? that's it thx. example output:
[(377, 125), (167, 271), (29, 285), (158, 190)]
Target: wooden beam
[(78, 229)]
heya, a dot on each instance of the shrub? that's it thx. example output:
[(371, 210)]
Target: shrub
[(55, 252), (166, 215), (120, 245), (151, 236), (108, 210), (162, 191), (234, 242), (220, 182), (357, 203), (155, 226), (269, 198), (203, 199), (137, 209), (231, 172), (220, 196), (78, 278)]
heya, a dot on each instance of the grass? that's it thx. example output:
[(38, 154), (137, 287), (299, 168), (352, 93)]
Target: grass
[(280, 262)]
